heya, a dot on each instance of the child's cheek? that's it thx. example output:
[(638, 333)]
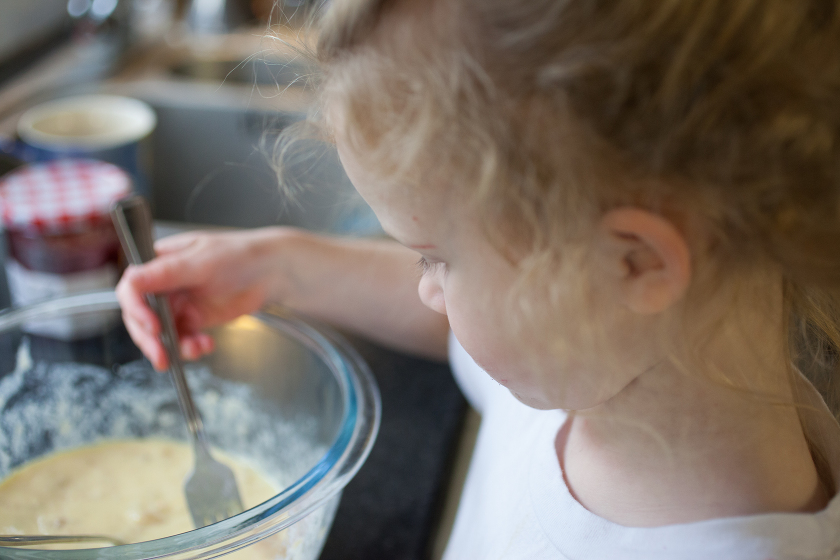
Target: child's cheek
[(490, 351), (472, 340)]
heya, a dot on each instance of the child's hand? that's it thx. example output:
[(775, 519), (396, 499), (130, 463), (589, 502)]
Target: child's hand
[(210, 278), (366, 286)]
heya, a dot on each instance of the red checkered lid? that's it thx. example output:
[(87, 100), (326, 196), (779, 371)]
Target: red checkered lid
[(62, 196)]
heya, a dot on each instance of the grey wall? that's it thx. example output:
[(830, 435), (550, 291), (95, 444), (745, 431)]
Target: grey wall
[(25, 22)]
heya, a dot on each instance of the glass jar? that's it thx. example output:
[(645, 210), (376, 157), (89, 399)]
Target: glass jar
[(59, 235)]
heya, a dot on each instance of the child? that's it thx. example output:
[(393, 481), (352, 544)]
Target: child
[(626, 213)]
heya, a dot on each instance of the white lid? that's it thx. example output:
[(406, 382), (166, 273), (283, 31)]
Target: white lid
[(61, 196)]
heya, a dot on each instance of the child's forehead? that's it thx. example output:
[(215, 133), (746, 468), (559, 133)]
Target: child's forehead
[(403, 202)]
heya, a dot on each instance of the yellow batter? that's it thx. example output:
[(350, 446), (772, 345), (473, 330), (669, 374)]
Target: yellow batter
[(128, 489)]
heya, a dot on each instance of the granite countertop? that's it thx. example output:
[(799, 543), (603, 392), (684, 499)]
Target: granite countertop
[(392, 508)]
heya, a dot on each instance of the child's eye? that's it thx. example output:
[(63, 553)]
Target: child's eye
[(426, 267)]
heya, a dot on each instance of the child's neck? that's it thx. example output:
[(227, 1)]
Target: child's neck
[(675, 447)]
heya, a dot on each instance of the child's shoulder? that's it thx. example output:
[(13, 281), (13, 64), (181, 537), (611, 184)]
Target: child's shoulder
[(516, 498)]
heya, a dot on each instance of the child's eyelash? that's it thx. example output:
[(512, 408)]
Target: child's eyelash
[(425, 266)]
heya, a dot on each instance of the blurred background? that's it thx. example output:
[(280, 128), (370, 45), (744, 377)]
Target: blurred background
[(224, 79)]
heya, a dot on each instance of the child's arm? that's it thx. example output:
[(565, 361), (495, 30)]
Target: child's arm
[(366, 286)]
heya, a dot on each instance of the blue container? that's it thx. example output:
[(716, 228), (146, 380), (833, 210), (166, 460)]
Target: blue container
[(105, 127)]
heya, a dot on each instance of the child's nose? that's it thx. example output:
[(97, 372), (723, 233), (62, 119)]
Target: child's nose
[(431, 293)]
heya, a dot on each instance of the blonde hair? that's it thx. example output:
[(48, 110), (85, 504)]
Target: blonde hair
[(547, 112)]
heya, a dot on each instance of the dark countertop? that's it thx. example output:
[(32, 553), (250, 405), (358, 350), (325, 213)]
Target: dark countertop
[(392, 507)]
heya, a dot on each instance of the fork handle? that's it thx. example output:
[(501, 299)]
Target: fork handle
[(133, 221), (169, 338)]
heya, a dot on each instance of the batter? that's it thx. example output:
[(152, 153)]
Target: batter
[(128, 489)]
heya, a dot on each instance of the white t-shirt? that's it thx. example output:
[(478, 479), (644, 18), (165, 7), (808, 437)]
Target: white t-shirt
[(515, 503)]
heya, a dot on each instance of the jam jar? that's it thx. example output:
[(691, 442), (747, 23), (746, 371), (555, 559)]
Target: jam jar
[(60, 239)]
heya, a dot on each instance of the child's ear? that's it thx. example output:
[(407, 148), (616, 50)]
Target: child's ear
[(648, 259)]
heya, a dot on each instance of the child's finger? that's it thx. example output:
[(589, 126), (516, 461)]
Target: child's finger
[(148, 343), (187, 317), (195, 346), (173, 243), (205, 343), (135, 307), (163, 274), (189, 349)]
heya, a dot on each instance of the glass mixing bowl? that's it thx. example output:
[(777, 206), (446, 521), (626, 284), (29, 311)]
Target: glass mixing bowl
[(287, 395)]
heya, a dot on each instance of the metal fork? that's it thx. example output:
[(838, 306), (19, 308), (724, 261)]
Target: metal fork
[(210, 489)]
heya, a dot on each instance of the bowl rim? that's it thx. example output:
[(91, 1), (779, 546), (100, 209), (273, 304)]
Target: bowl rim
[(325, 480), (138, 121)]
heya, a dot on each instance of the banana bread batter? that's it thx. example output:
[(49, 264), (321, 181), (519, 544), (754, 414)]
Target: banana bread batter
[(128, 489)]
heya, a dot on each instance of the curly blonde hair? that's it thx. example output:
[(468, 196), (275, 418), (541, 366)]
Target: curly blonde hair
[(548, 112)]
